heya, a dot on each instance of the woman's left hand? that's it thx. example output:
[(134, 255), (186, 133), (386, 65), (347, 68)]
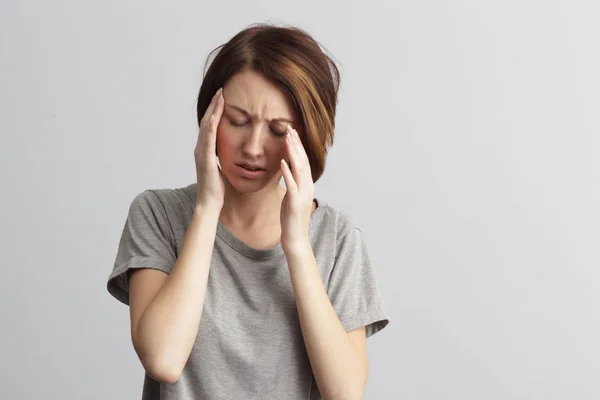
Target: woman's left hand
[(297, 203)]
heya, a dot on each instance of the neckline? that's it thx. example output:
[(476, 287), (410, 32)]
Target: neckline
[(240, 246), (261, 254)]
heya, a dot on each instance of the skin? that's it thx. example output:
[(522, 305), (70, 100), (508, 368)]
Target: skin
[(263, 213), (252, 129)]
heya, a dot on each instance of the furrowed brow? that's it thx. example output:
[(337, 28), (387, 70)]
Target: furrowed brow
[(246, 113)]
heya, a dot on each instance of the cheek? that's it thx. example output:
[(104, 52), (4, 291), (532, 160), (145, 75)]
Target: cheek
[(224, 143), (283, 152)]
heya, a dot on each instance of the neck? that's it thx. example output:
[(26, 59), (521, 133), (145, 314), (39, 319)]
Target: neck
[(249, 210)]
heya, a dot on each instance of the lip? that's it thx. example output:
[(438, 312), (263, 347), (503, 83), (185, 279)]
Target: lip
[(250, 165), (249, 174)]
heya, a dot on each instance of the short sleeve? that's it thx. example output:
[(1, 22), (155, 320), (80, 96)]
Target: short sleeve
[(146, 242), (353, 288)]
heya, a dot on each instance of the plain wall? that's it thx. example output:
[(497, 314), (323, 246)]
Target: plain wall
[(467, 149)]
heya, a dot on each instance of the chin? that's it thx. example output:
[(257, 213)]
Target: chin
[(245, 185)]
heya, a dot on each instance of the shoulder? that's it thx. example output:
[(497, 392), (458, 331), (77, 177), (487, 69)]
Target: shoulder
[(335, 219), (179, 198), (169, 208)]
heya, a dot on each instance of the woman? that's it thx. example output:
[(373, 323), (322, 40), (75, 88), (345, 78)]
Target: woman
[(238, 287)]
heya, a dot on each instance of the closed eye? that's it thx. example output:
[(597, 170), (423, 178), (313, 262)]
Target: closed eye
[(235, 123), (280, 132), (278, 129)]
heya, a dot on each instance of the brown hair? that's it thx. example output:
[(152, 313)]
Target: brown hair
[(295, 62)]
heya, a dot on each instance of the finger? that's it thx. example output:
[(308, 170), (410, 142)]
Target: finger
[(293, 152), (290, 184), (207, 118), (210, 110), (299, 159), (219, 105), (217, 112), (215, 118), (299, 145)]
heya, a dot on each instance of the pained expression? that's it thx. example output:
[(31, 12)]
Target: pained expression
[(252, 130)]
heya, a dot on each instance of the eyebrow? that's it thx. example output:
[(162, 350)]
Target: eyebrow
[(248, 114)]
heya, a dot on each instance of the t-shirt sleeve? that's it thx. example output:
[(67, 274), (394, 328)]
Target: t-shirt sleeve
[(353, 288), (146, 242)]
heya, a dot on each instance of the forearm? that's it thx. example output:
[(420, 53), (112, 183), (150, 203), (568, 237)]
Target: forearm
[(168, 327), (339, 368)]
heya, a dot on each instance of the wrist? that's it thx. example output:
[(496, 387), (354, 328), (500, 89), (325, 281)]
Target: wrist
[(297, 249), (209, 209)]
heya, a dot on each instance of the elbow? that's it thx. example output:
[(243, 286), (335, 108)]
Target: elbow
[(346, 394), (158, 367), (350, 390), (163, 372)]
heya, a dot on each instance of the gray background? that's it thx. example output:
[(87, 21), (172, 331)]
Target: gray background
[(467, 149)]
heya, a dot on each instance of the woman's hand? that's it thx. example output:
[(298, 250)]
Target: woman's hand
[(211, 188), (297, 203)]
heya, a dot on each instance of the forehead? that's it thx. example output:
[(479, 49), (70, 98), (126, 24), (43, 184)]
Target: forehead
[(257, 95)]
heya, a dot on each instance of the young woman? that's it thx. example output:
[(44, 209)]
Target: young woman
[(238, 287)]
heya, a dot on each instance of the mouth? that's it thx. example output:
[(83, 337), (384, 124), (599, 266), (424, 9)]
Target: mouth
[(250, 167), (249, 171)]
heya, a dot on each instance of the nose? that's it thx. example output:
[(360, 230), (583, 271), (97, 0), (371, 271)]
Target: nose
[(253, 145)]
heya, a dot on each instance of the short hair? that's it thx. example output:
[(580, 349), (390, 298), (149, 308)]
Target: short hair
[(295, 62)]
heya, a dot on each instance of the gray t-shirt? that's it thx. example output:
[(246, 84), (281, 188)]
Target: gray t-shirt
[(249, 343)]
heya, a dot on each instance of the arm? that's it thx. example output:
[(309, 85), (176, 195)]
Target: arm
[(338, 359), (164, 325)]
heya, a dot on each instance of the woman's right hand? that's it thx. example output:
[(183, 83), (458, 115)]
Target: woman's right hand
[(211, 187)]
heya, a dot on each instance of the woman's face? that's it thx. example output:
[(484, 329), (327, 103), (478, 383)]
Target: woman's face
[(252, 131)]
